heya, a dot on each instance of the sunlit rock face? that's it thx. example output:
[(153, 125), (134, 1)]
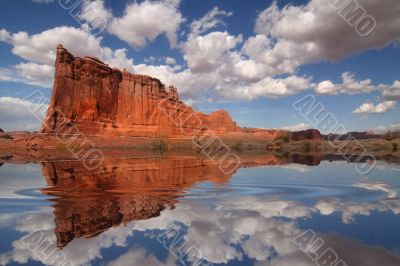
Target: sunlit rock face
[(90, 96)]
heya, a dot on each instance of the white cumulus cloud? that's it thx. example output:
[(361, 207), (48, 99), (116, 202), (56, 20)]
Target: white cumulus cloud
[(143, 22), (370, 108), (212, 19), (315, 32), (40, 52), (16, 114), (349, 85), (298, 127), (392, 92), (170, 61)]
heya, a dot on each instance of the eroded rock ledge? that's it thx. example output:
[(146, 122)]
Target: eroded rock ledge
[(99, 100)]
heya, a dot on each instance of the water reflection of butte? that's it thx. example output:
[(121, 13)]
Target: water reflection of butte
[(88, 203)]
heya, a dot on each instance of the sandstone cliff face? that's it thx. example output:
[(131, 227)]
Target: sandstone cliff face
[(90, 96)]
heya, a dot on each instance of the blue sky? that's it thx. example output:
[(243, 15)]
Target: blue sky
[(254, 59)]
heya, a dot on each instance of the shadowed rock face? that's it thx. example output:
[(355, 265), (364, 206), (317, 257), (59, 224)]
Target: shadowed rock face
[(99, 100), (309, 134), (1, 130)]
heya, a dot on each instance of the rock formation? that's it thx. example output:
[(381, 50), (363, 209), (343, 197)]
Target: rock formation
[(1, 130), (309, 134), (95, 99)]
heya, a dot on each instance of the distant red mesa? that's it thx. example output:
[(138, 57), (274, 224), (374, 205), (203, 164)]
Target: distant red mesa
[(99, 100)]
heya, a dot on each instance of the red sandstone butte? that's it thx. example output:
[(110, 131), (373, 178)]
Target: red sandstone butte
[(94, 99)]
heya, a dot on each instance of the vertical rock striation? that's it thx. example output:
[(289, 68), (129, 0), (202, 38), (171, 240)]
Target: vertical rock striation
[(94, 99)]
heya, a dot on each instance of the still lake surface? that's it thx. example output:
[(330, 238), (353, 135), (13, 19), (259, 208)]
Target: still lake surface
[(183, 211)]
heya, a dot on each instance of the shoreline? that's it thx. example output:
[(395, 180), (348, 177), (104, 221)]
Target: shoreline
[(30, 146)]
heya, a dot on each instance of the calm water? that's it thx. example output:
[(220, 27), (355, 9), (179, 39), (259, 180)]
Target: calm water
[(183, 211)]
